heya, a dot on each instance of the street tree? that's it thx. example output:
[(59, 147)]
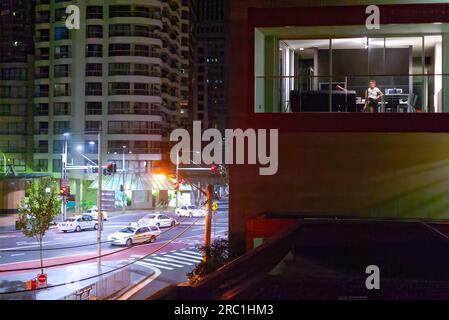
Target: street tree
[(38, 209)]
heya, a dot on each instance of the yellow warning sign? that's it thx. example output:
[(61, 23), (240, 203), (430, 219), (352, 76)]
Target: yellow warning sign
[(214, 206)]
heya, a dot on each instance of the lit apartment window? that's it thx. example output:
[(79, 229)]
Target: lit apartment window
[(94, 12), (94, 31), (61, 127), (61, 70), (93, 108), (62, 52), (61, 108), (61, 33), (94, 50), (61, 90), (93, 88), (94, 69)]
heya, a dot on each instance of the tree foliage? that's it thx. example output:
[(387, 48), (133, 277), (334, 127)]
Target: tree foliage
[(217, 256), (38, 209)]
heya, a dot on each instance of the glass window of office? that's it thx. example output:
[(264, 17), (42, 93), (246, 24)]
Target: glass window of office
[(349, 74)]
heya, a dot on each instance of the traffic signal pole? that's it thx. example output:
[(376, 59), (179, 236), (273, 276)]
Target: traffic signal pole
[(208, 222), (100, 193)]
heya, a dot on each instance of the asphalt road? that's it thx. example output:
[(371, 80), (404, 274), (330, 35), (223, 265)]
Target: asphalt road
[(172, 262)]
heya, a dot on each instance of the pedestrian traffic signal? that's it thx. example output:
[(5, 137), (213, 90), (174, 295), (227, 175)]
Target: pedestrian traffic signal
[(110, 169), (214, 168), (176, 187), (64, 191)]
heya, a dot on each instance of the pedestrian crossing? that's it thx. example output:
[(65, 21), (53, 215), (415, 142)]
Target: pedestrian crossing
[(168, 260)]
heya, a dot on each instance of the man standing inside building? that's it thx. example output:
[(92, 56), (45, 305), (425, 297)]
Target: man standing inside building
[(372, 95)]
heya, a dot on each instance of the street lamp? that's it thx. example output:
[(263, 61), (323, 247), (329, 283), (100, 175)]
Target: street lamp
[(123, 180), (64, 180)]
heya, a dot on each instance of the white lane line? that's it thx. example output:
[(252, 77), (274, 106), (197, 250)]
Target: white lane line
[(192, 252), (170, 259), (170, 264), (181, 258), (17, 254), (188, 256), (152, 265)]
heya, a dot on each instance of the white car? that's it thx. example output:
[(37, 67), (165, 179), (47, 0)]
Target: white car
[(157, 219), (190, 211), (134, 235), (78, 223), (94, 213)]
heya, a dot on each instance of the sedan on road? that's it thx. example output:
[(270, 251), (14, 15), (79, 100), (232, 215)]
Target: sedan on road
[(134, 235), (94, 213), (190, 211), (78, 223), (157, 219)]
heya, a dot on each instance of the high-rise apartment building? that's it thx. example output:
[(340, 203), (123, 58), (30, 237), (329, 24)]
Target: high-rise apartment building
[(210, 101), (122, 73), (16, 66)]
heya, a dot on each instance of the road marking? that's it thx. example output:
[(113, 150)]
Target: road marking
[(170, 264), (188, 256), (192, 252), (170, 259), (152, 265), (181, 258), (17, 254)]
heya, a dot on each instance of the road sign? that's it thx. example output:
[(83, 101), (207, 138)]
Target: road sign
[(42, 281), (214, 206)]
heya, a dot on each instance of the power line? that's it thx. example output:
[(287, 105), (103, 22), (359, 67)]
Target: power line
[(107, 272)]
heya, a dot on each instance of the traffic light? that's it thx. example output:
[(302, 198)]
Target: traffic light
[(176, 187), (64, 191), (213, 168), (110, 169)]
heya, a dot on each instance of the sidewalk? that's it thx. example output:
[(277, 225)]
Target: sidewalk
[(64, 280)]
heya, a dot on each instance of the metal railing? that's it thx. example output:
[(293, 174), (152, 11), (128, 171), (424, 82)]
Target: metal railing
[(404, 93)]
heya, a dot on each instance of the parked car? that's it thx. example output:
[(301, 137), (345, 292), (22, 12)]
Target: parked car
[(133, 235), (78, 223), (157, 219), (94, 213), (190, 211)]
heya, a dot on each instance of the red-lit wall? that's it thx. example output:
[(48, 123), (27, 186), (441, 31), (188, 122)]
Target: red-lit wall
[(370, 165)]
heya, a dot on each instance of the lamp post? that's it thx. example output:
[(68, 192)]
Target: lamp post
[(123, 181), (100, 193), (64, 179)]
